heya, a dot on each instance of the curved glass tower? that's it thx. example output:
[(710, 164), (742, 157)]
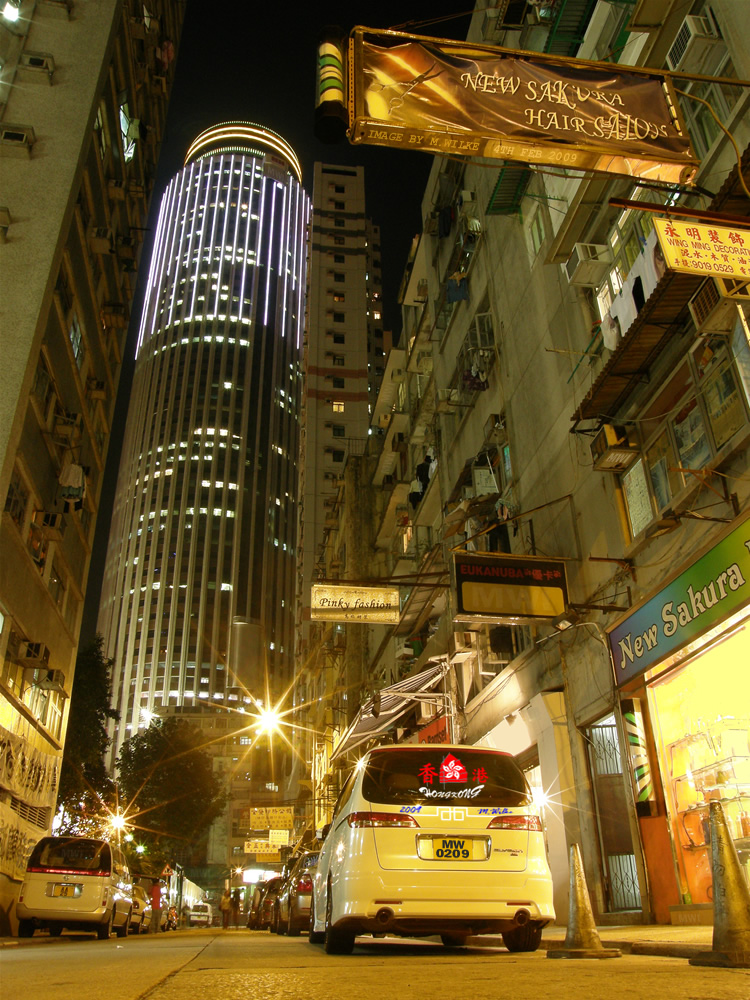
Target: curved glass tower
[(197, 602)]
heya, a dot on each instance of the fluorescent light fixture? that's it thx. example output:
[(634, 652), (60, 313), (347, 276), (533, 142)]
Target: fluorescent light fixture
[(11, 11)]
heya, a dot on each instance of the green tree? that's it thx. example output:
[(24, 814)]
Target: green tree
[(87, 791), (167, 786)]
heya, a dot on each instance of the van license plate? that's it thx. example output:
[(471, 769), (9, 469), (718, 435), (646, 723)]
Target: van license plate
[(459, 848), (67, 889)]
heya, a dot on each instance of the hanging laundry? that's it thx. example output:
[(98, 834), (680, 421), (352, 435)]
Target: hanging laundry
[(72, 486), (458, 288)]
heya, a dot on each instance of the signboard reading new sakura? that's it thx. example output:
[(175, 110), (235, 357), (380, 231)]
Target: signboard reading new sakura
[(443, 96), (339, 603), (511, 589), (703, 248)]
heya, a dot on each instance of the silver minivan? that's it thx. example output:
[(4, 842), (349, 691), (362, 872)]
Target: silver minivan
[(79, 883)]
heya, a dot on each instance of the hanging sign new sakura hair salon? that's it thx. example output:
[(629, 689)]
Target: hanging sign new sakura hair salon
[(443, 96)]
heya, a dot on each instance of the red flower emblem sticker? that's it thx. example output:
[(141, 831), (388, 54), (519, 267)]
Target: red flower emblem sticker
[(452, 769)]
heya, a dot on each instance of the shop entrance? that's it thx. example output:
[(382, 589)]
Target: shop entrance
[(700, 716), (612, 816)]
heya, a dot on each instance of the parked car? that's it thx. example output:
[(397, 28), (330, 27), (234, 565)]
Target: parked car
[(254, 914), (267, 901), (79, 883), (201, 915), (433, 840), (293, 900), (141, 918)]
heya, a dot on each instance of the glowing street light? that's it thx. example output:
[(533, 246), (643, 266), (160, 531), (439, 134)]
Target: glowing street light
[(268, 721)]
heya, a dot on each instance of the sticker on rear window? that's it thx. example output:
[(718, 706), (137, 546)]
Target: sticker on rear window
[(451, 771)]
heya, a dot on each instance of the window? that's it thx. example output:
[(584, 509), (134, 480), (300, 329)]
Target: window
[(339, 338), (723, 98), (339, 317), (17, 498), (338, 359), (339, 222), (536, 231), (339, 258), (338, 276), (338, 383), (339, 240), (339, 430), (340, 206), (100, 128), (337, 456), (687, 422), (337, 407), (339, 297), (76, 340), (129, 127)]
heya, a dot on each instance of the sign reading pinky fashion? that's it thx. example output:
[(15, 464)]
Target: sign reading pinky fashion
[(474, 100), (716, 586), (513, 589), (341, 603)]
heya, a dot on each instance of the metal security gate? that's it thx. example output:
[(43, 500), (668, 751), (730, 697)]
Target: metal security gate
[(612, 816)]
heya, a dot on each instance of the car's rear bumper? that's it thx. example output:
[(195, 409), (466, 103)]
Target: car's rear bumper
[(421, 902)]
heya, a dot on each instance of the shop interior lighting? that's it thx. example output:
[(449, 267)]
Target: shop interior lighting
[(11, 11)]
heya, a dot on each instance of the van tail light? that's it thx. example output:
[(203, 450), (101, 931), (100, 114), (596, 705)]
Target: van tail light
[(532, 823), (304, 885), (365, 819)]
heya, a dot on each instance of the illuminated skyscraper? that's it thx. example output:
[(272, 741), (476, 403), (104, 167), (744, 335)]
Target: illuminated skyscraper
[(197, 604)]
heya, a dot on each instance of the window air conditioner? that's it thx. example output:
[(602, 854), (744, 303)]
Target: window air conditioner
[(51, 523), (35, 653), (17, 136), (67, 426), (100, 239), (611, 451), (692, 42), (96, 388), (588, 264), (398, 375), (41, 62), (51, 680), (711, 311), (404, 651), (117, 189)]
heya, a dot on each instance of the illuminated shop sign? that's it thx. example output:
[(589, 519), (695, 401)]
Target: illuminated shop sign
[(474, 100), (704, 248), (511, 589), (705, 594), (339, 603)]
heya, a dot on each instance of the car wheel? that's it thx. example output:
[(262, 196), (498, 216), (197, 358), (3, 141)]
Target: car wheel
[(292, 929), (526, 938), (453, 940), (313, 936), (55, 930), (25, 928), (337, 941), (103, 931), (123, 929)]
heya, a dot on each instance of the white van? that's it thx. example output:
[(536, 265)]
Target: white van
[(78, 883), (201, 915), (433, 840)]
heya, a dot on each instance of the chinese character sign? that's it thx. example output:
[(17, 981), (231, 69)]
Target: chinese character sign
[(503, 588), (704, 248)]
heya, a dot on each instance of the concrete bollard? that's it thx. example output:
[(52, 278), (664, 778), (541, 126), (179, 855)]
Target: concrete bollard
[(582, 939), (731, 940)]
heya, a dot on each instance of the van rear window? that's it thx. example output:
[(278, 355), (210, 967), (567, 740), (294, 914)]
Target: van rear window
[(71, 854), (466, 777)]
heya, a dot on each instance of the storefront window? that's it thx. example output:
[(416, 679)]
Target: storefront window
[(701, 723)]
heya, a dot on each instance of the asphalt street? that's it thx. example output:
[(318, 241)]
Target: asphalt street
[(190, 965)]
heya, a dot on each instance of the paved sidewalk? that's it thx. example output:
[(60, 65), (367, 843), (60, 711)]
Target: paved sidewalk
[(676, 941)]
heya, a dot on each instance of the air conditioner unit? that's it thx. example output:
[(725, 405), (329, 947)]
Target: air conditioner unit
[(96, 388), (35, 653), (51, 680), (127, 246), (461, 646), (17, 136), (692, 42), (67, 426), (492, 425), (711, 312), (404, 651), (41, 62), (51, 523), (114, 314), (398, 374), (117, 189), (588, 264), (611, 451), (100, 239), (447, 401)]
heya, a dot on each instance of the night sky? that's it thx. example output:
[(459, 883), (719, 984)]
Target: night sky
[(244, 61)]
